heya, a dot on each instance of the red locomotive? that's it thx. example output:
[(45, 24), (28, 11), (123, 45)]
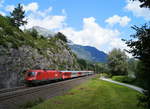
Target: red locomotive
[(40, 76)]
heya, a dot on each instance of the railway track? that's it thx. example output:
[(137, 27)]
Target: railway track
[(13, 92), (11, 99), (11, 89), (27, 90)]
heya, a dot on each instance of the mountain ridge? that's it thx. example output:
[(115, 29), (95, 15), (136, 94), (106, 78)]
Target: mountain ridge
[(43, 31), (89, 53)]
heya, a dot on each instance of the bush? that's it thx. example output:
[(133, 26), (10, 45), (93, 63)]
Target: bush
[(61, 36), (124, 79), (106, 75)]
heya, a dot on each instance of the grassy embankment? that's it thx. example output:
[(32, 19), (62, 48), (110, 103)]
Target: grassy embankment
[(94, 94)]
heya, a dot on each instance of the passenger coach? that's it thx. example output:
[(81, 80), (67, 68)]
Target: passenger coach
[(41, 76)]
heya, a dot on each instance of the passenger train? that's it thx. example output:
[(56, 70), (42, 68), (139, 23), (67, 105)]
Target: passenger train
[(34, 77)]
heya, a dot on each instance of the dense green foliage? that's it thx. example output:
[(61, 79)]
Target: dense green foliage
[(140, 48), (61, 36), (17, 16), (139, 75), (132, 67), (117, 62), (135, 71), (105, 75), (95, 94), (96, 67), (82, 63), (11, 36), (124, 79), (33, 32)]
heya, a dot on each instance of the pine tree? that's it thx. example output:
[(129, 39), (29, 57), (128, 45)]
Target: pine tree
[(61, 36), (140, 49), (18, 15)]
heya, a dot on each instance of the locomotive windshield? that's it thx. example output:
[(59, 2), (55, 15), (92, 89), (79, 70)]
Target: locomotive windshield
[(30, 74)]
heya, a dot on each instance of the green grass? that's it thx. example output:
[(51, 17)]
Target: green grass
[(94, 94), (124, 79)]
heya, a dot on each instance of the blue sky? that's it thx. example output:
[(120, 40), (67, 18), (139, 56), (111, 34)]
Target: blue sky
[(99, 23)]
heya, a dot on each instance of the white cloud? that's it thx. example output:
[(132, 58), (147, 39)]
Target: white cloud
[(95, 35), (9, 8), (31, 7), (48, 22), (43, 18), (49, 9), (123, 21), (136, 10), (43, 13)]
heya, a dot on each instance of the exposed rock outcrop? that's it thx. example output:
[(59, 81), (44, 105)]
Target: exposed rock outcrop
[(14, 61)]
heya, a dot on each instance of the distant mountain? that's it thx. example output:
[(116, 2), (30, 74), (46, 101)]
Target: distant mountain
[(89, 53), (69, 42), (84, 52), (43, 31)]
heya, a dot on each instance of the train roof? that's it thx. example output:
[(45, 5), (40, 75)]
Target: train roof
[(75, 71), (49, 69), (38, 70), (35, 70)]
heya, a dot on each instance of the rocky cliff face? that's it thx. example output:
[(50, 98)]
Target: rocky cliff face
[(23, 50), (13, 62)]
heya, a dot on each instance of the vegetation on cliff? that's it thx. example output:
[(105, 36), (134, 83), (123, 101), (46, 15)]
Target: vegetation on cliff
[(23, 50)]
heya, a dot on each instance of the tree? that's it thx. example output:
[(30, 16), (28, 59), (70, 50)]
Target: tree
[(144, 3), (132, 67), (140, 79), (101, 68), (140, 48), (34, 33), (117, 62), (61, 36), (17, 16), (82, 63)]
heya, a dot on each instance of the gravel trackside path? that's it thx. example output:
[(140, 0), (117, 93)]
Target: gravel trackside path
[(123, 84)]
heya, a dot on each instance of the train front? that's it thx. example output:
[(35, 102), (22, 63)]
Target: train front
[(30, 77)]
